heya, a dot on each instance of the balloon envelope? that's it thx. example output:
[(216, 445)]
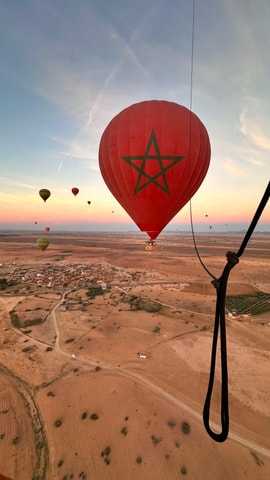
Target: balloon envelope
[(47, 229), (153, 157), (75, 191), (43, 243), (44, 193)]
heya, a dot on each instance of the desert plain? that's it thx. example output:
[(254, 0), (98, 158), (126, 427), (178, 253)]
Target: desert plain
[(105, 353)]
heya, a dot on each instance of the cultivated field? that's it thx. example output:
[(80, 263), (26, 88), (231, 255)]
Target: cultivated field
[(105, 352)]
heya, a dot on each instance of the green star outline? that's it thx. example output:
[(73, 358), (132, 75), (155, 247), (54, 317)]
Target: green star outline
[(142, 174)]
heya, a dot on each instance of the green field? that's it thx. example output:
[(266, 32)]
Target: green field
[(248, 304)]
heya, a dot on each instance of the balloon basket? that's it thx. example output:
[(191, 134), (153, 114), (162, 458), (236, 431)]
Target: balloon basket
[(150, 245)]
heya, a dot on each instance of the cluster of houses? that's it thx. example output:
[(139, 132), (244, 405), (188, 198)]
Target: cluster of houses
[(73, 275), (62, 275)]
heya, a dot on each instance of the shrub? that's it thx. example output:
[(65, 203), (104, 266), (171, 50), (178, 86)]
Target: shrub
[(139, 459), (58, 423), (94, 416), (94, 291), (14, 319), (27, 349), (185, 428), (3, 283), (84, 415), (107, 450), (155, 440)]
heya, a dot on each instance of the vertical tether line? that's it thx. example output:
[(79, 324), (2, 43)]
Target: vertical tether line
[(190, 112)]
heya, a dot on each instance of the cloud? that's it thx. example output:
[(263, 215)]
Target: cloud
[(84, 145), (13, 182), (252, 124), (83, 150)]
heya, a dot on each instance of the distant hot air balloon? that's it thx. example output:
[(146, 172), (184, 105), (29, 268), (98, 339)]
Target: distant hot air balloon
[(89, 202), (153, 157), (43, 243), (47, 229), (75, 191), (44, 193)]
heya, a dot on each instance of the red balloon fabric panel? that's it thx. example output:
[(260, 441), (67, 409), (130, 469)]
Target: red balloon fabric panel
[(153, 157)]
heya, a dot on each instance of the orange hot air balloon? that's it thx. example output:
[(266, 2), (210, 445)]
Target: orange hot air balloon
[(75, 191), (44, 194), (47, 229), (153, 157), (43, 243)]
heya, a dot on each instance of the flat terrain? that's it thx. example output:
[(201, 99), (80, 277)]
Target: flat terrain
[(105, 353)]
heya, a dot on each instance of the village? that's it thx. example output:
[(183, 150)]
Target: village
[(63, 276)]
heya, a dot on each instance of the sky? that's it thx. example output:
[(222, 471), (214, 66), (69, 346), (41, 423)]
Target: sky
[(68, 67)]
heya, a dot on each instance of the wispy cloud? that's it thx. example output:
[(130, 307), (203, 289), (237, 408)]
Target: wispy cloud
[(81, 147), (251, 124), (13, 182)]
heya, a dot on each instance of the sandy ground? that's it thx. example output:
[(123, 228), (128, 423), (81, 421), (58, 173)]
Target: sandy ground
[(109, 413)]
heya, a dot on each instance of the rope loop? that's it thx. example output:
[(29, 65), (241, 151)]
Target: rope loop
[(220, 334), (232, 258)]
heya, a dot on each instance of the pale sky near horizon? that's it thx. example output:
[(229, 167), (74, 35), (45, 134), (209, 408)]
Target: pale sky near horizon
[(68, 67)]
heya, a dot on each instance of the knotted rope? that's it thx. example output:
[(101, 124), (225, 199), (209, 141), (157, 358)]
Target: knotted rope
[(220, 331)]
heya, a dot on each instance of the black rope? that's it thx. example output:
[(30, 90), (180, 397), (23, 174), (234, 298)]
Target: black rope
[(190, 110), (220, 330)]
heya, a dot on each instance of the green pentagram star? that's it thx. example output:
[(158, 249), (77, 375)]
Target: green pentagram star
[(159, 179)]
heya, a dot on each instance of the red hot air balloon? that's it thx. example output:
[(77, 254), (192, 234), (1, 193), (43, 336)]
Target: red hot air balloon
[(47, 229), (75, 191), (153, 157)]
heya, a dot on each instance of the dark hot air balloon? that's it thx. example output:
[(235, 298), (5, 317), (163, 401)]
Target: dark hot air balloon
[(43, 243), (45, 194), (153, 157), (89, 202), (75, 191)]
